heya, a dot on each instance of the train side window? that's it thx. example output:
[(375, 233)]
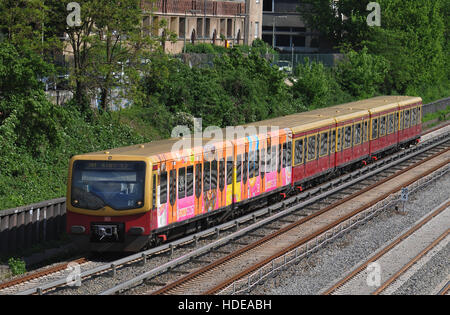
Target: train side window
[(221, 174), (366, 131), (323, 144), (284, 155), (206, 176), (181, 183), (407, 114), (274, 158), (339, 139), (251, 165), (298, 152), (163, 188), (311, 148), (289, 154), (402, 120), (189, 181), (382, 126), (257, 163), (414, 116), (390, 123), (214, 174), (279, 158), (357, 137), (172, 186), (348, 137), (154, 192), (246, 167), (269, 159), (419, 114), (333, 141), (396, 121), (238, 168), (374, 128), (229, 170), (198, 180), (263, 161)]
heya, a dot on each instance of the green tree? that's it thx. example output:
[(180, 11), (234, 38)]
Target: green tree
[(109, 47), (362, 74), (343, 22)]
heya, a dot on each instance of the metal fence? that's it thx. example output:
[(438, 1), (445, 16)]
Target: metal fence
[(329, 60), (23, 227)]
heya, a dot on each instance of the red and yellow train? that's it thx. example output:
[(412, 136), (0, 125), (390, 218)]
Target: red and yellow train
[(127, 198)]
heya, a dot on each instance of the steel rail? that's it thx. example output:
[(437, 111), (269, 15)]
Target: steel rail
[(445, 289), (39, 274), (394, 243), (394, 277)]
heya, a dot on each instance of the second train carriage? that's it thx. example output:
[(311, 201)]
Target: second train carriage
[(125, 198)]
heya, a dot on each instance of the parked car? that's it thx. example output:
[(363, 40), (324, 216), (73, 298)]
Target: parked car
[(285, 66)]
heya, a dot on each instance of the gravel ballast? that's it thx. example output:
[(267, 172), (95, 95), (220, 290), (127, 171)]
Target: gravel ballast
[(323, 268)]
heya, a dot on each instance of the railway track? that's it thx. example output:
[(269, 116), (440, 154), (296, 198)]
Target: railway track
[(254, 226), (290, 243), (394, 264)]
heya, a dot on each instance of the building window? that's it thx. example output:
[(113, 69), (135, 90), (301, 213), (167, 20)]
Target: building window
[(200, 28), (256, 29), (267, 5), (181, 28), (208, 28)]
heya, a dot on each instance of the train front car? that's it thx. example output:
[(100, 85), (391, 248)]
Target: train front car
[(108, 204)]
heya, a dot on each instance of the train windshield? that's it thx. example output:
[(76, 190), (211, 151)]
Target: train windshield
[(119, 185)]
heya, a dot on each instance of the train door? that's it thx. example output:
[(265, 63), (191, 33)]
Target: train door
[(382, 139), (311, 144), (246, 166), (357, 139), (298, 159), (333, 137), (374, 127), (339, 145), (198, 192), (286, 165), (271, 165), (185, 193), (323, 139), (162, 204), (222, 199), (172, 195), (390, 130), (229, 177), (347, 152), (365, 137)]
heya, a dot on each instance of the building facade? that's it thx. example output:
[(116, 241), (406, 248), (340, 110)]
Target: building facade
[(205, 21), (284, 29)]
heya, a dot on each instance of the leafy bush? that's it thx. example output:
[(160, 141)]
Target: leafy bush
[(361, 74), (17, 266)]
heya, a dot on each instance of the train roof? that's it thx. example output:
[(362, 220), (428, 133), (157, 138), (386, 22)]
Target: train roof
[(380, 103), (295, 122), (165, 146), (300, 122)]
